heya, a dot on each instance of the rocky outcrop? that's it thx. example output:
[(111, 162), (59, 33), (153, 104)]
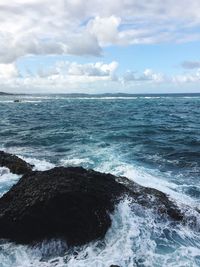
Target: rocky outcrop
[(70, 203), (15, 164)]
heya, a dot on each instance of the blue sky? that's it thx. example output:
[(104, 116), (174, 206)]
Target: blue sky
[(76, 46)]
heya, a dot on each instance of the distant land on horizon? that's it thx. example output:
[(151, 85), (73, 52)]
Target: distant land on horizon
[(2, 93), (101, 95)]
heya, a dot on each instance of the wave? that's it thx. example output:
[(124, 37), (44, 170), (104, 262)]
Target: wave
[(84, 162), (31, 101), (153, 97), (7, 179), (6, 101), (147, 178), (39, 164)]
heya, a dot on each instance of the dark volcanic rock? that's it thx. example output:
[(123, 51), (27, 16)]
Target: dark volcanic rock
[(15, 164), (152, 198), (70, 203)]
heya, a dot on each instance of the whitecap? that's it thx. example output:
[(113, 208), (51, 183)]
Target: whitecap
[(39, 164), (147, 178), (76, 162), (7, 179)]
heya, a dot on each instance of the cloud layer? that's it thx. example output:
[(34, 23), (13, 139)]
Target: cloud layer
[(84, 27), (65, 76)]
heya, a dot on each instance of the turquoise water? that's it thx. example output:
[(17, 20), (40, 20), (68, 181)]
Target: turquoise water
[(153, 140)]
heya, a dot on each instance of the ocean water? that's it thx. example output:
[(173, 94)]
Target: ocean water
[(153, 140)]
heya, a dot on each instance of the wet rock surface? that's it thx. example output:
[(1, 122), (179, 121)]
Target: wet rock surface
[(14, 163), (70, 203)]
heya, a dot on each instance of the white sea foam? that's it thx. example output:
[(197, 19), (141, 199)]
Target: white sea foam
[(111, 163), (136, 238), (39, 165), (6, 101), (103, 98), (146, 178), (31, 101), (76, 162), (7, 179), (151, 97)]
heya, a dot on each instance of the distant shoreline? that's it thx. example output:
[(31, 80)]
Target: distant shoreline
[(101, 95), (2, 93)]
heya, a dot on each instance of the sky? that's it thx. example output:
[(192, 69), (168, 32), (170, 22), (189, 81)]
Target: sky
[(95, 46)]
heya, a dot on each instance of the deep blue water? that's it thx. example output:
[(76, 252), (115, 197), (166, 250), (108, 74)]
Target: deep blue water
[(154, 140)]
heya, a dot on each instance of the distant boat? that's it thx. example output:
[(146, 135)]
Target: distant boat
[(17, 101)]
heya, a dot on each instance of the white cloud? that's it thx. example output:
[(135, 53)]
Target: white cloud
[(193, 77), (84, 27), (147, 76), (8, 71), (105, 29), (98, 69), (57, 77), (82, 45), (65, 76), (151, 75)]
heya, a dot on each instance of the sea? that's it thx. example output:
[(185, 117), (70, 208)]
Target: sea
[(153, 140)]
